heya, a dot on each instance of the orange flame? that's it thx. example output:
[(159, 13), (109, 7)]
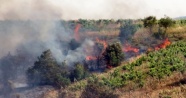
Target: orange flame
[(104, 43), (129, 48), (165, 43), (109, 66), (76, 32), (88, 58)]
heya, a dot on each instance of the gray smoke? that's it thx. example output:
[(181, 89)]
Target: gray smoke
[(34, 37)]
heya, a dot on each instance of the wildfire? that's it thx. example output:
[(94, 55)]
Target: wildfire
[(88, 58), (76, 32), (129, 48), (165, 43), (104, 43), (109, 66)]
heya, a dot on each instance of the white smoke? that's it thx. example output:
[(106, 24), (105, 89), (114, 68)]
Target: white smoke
[(89, 9), (34, 37), (28, 9)]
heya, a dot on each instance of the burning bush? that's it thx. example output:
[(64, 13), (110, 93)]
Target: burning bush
[(165, 43), (113, 54)]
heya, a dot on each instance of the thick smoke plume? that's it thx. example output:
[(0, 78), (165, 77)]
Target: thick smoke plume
[(23, 41), (34, 37)]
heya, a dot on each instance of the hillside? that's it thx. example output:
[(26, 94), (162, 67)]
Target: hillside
[(158, 74), (154, 61)]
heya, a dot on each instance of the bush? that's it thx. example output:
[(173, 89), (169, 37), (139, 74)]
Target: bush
[(113, 54), (149, 21), (127, 31), (79, 72)]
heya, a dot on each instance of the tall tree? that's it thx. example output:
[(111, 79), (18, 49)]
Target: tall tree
[(127, 30), (166, 22), (113, 54), (79, 72), (46, 71), (149, 22)]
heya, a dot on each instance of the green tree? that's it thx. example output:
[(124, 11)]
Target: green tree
[(46, 71), (166, 22), (113, 54), (149, 22), (127, 30), (79, 72)]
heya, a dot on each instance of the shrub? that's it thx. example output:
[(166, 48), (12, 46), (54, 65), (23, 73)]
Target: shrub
[(79, 72), (127, 31), (113, 54)]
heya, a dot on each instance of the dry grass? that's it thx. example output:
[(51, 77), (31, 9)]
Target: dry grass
[(177, 33), (177, 29), (105, 33), (158, 89)]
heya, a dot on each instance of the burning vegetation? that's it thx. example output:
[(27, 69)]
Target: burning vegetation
[(76, 32), (165, 43), (70, 54), (129, 48)]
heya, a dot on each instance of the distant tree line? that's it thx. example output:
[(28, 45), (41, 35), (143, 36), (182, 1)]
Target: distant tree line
[(165, 23)]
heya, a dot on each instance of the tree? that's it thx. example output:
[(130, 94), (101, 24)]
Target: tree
[(149, 21), (79, 72), (166, 22), (113, 54), (127, 30), (46, 71)]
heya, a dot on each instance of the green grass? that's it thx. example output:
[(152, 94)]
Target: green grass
[(157, 64)]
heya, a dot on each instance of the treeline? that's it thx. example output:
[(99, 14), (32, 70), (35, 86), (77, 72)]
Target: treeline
[(102, 24)]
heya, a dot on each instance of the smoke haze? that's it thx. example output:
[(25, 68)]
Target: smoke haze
[(34, 37), (33, 26), (29, 9), (89, 9)]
